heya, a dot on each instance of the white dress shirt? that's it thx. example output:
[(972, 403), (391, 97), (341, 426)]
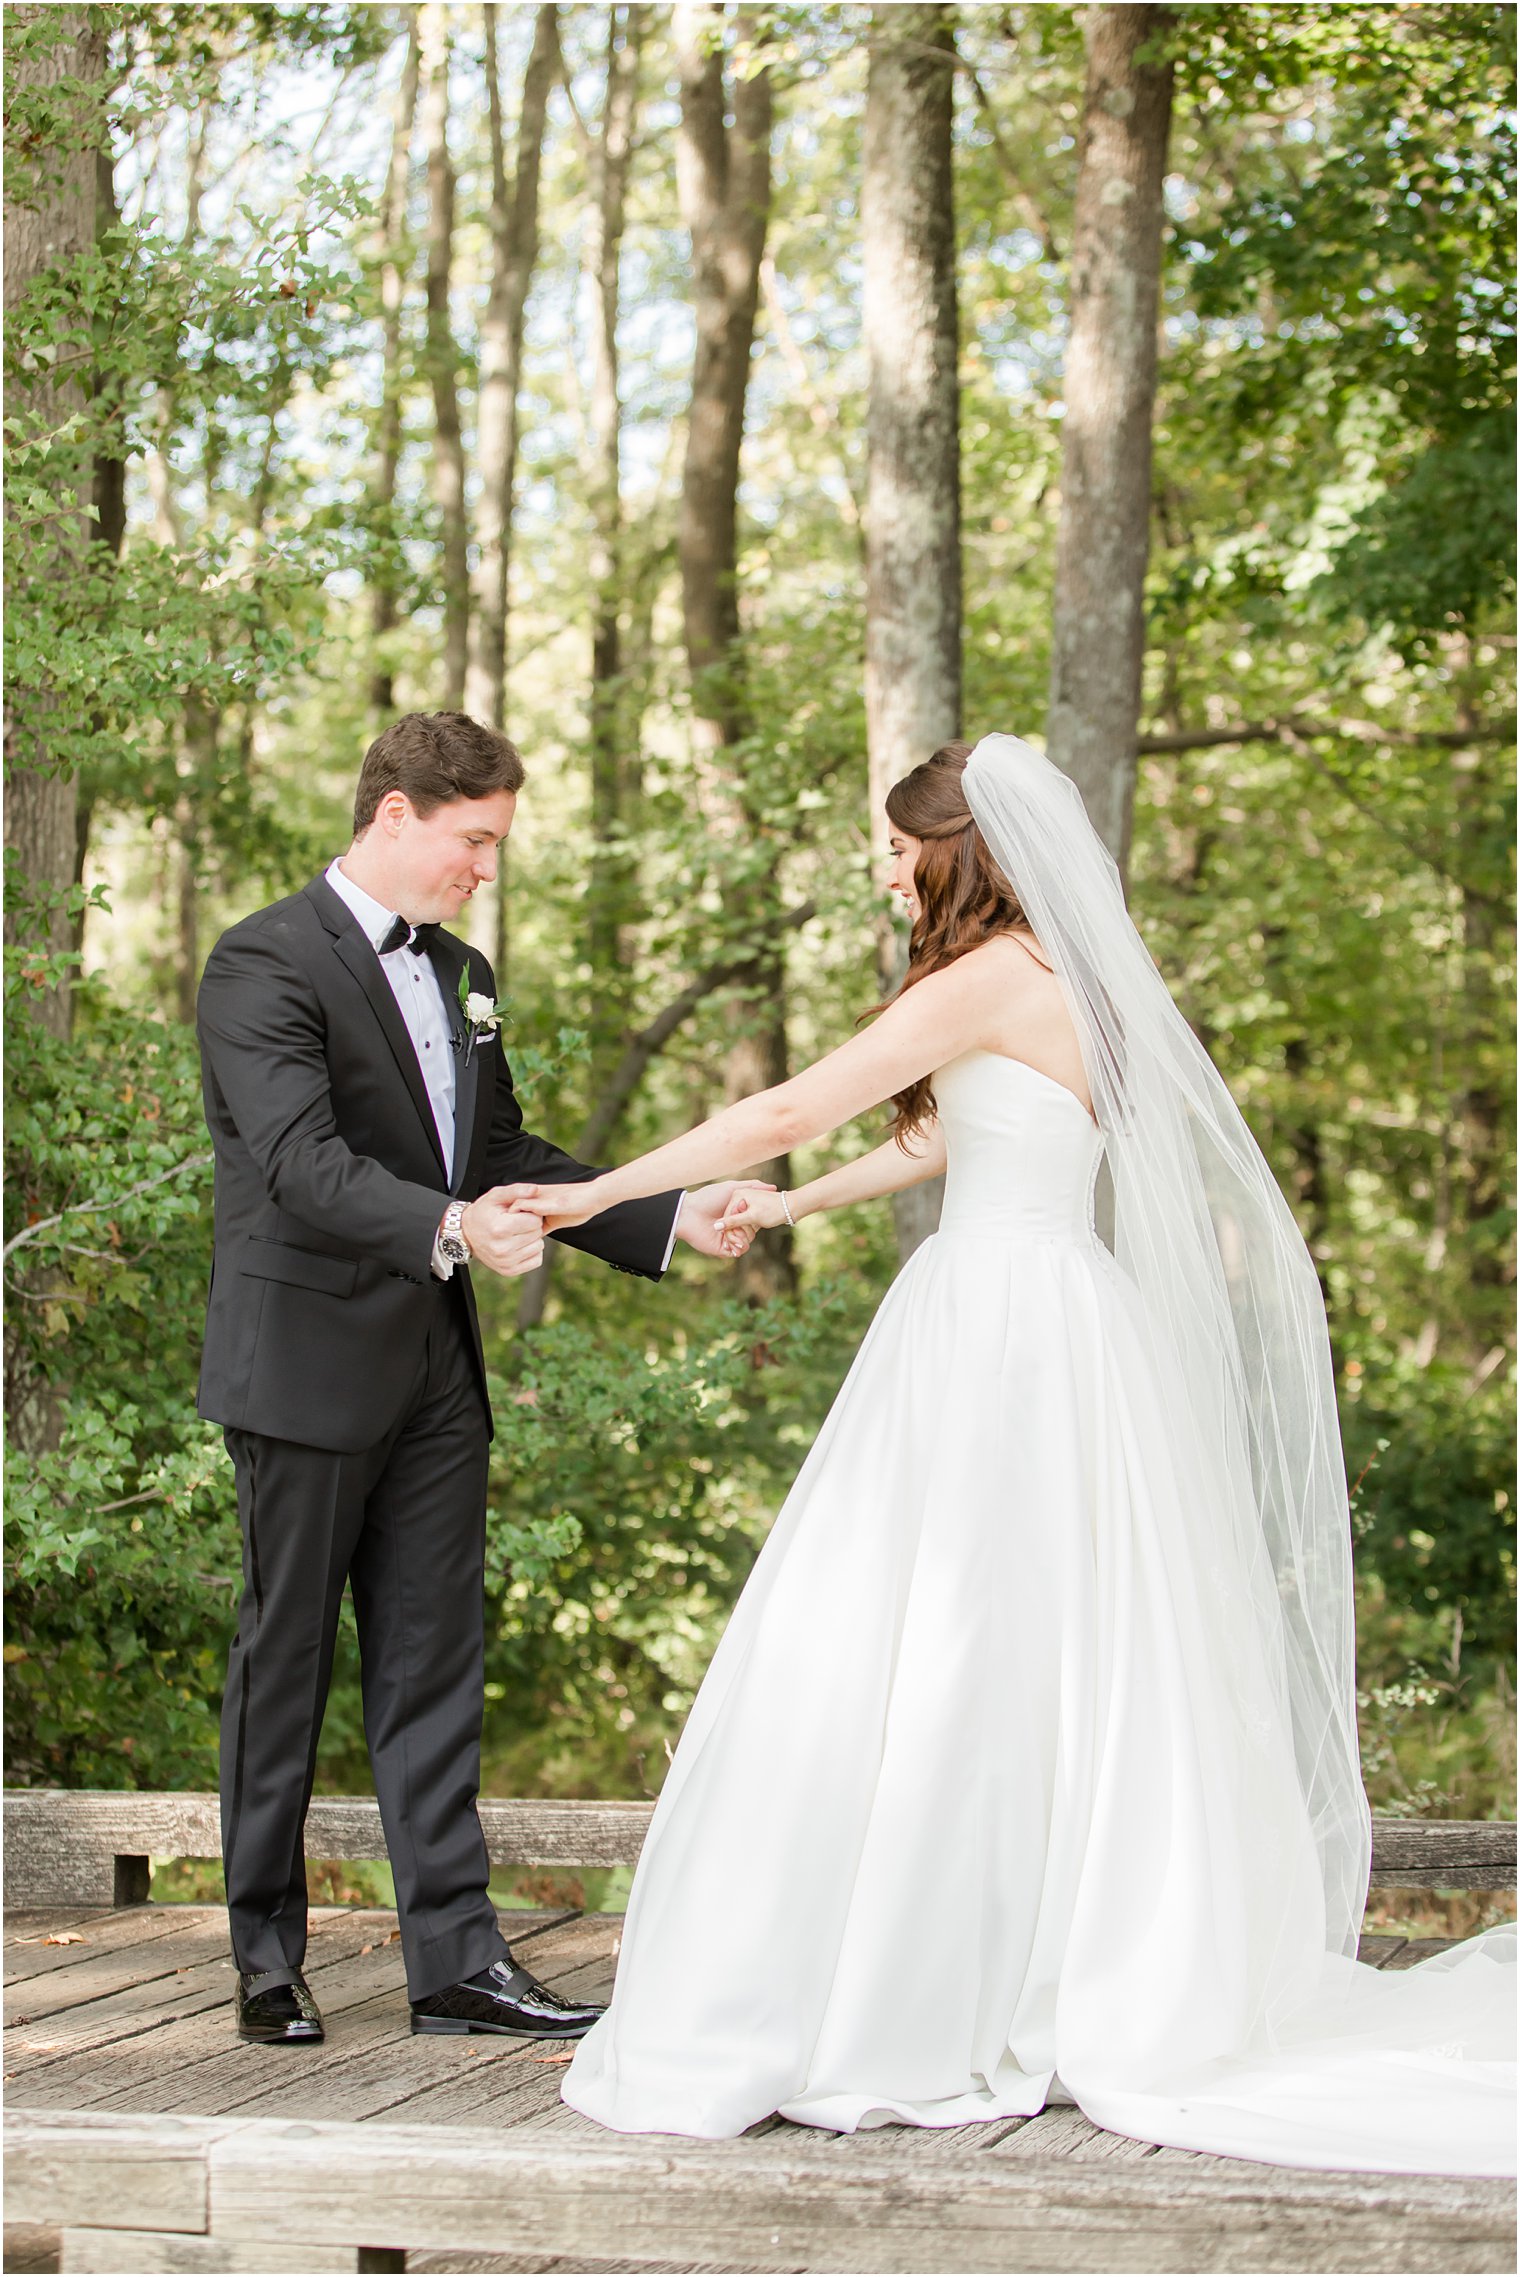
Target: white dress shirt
[(419, 998)]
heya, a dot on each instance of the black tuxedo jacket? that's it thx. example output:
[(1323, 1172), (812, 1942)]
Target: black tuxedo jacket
[(330, 1183)]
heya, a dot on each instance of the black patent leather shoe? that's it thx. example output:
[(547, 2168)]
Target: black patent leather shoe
[(504, 1998), (275, 2008)]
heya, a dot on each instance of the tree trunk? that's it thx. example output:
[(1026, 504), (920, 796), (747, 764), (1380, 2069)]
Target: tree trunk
[(1485, 1115), (723, 171), (1098, 633), (443, 359), (109, 499), (613, 899), (913, 559), (49, 222), (514, 249), (385, 604), (50, 219)]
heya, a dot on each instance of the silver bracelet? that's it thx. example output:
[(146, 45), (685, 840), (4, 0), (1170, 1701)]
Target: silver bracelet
[(786, 1212)]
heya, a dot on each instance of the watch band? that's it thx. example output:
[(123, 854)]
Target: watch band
[(451, 1240)]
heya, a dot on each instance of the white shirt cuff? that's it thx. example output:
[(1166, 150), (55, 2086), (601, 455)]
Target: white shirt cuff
[(443, 1267), (670, 1246)]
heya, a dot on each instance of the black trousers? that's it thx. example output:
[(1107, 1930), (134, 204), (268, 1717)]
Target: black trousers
[(404, 1524)]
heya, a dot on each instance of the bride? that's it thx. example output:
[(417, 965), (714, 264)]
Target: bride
[(1026, 1769)]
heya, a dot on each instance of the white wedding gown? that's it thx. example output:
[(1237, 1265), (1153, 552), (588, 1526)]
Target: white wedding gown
[(985, 1801)]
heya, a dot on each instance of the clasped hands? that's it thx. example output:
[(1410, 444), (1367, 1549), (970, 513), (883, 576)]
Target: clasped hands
[(507, 1226)]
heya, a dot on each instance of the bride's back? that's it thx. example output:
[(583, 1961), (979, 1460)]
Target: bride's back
[(1022, 1151)]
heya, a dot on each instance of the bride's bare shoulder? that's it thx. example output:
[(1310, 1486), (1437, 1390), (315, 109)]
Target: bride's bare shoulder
[(1004, 960), (999, 974)]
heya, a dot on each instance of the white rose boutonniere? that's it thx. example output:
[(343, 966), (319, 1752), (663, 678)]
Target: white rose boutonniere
[(483, 1016)]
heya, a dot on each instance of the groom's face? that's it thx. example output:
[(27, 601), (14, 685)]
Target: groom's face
[(441, 858)]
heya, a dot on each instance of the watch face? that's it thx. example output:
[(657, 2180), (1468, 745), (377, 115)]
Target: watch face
[(454, 1249)]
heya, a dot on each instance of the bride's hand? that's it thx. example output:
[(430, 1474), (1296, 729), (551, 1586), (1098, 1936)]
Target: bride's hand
[(562, 1206), (752, 1207)]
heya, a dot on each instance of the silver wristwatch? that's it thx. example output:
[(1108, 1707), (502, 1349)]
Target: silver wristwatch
[(451, 1240)]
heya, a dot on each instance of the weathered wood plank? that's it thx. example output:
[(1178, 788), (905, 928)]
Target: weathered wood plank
[(121, 1966), (1062, 2131), (519, 1832), (146, 2009), (383, 2069), (1445, 1854), (1378, 1951), (111, 1929), (371, 2063), (518, 2084), (167, 2253), (72, 2170), (195, 2063), (744, 2203), (767, 2204), (912, 2145), (29, 2250), (61, 1844), (187, 2058), (1167, 2155), (1414, 1949)]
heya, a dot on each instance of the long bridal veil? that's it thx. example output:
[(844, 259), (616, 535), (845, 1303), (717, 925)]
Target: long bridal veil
[(1242, 1361), (1203, 1230)]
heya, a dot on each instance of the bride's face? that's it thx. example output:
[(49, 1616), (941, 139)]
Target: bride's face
[(905, 853)]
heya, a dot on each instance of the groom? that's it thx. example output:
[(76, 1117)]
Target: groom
[(368, 1154)]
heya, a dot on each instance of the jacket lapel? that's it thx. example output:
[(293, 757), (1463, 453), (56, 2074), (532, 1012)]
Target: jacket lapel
[(353, 946), (449, 959)]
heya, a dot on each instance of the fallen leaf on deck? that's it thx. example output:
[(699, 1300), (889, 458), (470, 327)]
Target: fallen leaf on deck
[(553, 2059)]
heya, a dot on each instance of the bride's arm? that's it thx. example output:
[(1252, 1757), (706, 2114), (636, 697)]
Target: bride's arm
[(947, 1013), (886, 1170)]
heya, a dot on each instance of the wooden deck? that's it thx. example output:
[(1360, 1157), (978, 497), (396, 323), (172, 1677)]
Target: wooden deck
[(143, 2136)]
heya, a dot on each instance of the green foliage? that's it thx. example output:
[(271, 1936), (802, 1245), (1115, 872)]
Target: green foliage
[(627, 1492), (121, 1543), (1370, 263), (1434, 1525)]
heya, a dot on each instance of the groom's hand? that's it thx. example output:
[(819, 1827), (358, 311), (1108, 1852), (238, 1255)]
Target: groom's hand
[(700, 1216), (505, 1231)]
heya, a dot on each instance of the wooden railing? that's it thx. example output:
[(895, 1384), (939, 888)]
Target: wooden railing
[(77, 1846)]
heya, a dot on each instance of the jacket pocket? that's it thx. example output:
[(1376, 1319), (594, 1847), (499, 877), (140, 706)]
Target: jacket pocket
[(270, 1260)]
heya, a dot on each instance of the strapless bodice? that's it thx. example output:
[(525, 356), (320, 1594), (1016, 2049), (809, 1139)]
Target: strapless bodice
[(1022, 1152)]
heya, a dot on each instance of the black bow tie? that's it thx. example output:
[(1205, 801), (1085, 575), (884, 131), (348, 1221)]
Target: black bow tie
[(417, 938)]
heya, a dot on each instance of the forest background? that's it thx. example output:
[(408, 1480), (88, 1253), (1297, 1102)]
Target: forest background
[(697, 391)]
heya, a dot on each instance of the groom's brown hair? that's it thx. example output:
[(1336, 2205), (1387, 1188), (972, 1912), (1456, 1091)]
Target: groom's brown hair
[(435, 757)]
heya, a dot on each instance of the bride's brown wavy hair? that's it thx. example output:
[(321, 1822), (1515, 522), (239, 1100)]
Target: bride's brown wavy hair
[(963, 896)]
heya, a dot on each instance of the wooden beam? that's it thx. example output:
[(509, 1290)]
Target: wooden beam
[(91, 1847), (269, 2194), (88, 1847), (1443, 1854), (77, 2169), (774, 2203)]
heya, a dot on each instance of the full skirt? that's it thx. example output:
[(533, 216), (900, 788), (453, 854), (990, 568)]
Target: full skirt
[(985, 1800)]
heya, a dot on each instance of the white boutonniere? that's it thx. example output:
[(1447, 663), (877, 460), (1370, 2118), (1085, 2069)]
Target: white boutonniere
[(482, 1014)]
